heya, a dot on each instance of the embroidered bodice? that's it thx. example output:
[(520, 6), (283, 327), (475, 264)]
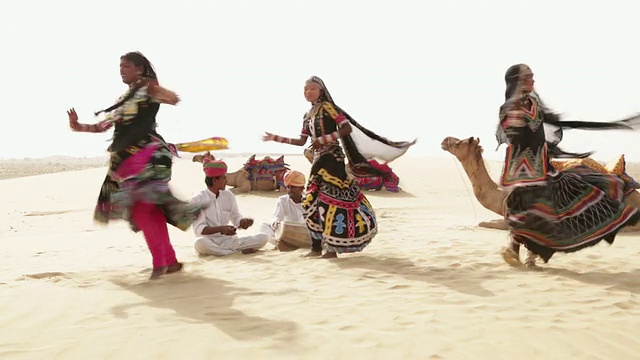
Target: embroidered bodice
[(526, 161), (134, 121), (321, 120)]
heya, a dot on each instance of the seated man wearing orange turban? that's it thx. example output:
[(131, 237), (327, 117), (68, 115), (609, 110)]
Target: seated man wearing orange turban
[(216, 236), (289, 208)]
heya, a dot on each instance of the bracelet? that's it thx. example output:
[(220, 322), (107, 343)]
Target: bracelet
[(282, 139), (94, 128), (104, 126), (329, 138)]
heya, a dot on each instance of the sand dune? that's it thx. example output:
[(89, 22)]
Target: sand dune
[(431, 285), (14, 168)]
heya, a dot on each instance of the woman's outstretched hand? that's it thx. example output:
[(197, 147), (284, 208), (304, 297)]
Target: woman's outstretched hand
[(73, 120), (161, 94), (268, 136)]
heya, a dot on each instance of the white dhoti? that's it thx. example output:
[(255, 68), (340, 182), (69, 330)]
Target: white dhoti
[(266, 229), (224, 245)]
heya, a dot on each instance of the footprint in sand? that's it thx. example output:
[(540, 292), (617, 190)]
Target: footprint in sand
[(45, 213), (403, 322), (48, 275), (626, 305), (398, 287), (56, 276)]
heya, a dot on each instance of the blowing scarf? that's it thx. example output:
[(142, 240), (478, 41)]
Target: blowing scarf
[(553, 126), (363, 144)]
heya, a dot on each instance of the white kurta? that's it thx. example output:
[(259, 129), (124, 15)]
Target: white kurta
[(221, 211), (285, 209)]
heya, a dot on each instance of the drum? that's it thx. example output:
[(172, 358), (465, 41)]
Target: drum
[(293, 233)]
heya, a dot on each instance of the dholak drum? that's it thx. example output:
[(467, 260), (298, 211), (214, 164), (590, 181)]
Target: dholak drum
[(294, 233)]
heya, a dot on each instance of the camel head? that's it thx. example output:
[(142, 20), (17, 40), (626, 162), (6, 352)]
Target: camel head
[(200, 158), (462, 149)]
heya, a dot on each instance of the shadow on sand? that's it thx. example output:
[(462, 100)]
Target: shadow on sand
[(208, 300), (623, 281), (389, 194), (465, 281)]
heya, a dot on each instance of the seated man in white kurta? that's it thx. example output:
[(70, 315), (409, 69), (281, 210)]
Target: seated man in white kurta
[(216, 235), (288, 208)]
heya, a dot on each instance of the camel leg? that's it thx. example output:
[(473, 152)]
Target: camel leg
[(244, 185), (500, 224), (243, 188)]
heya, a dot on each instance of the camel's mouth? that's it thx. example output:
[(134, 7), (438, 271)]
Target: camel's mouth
[(451, 143), (448, 142)]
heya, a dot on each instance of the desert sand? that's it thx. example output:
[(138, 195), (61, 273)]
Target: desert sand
[(431, 285)]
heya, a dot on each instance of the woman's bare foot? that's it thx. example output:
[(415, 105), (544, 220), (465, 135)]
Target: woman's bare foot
[(510, 257), (329, 255), (531, 265), (158, 272), (314, 253), (175, 267), (530, 261)]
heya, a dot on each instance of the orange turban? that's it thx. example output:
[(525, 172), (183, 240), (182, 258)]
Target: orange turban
[(294, 178)]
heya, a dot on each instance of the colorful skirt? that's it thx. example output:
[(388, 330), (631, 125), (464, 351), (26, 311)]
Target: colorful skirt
[(336, 211), (142, 174), (574, 210)]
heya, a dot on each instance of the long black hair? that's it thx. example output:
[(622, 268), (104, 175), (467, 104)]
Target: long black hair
[(551, 120), (512, 80), (511, 77), (148, 73)]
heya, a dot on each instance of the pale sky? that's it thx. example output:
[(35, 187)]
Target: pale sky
[(404, 69)]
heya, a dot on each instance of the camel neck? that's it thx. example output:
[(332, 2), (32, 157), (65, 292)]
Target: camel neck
[(488, 193)]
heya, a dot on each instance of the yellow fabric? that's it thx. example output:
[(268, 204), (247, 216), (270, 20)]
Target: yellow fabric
[(588, 162), (617, 166), (328, 107), (214, 143)]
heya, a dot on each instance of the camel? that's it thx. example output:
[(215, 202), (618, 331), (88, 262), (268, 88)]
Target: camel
[(255, 175), (492, 197), (266, 174), (375, 183)]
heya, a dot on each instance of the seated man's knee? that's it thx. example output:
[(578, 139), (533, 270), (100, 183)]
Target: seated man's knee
[(201, 246), (265, 228), (263, 238)]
